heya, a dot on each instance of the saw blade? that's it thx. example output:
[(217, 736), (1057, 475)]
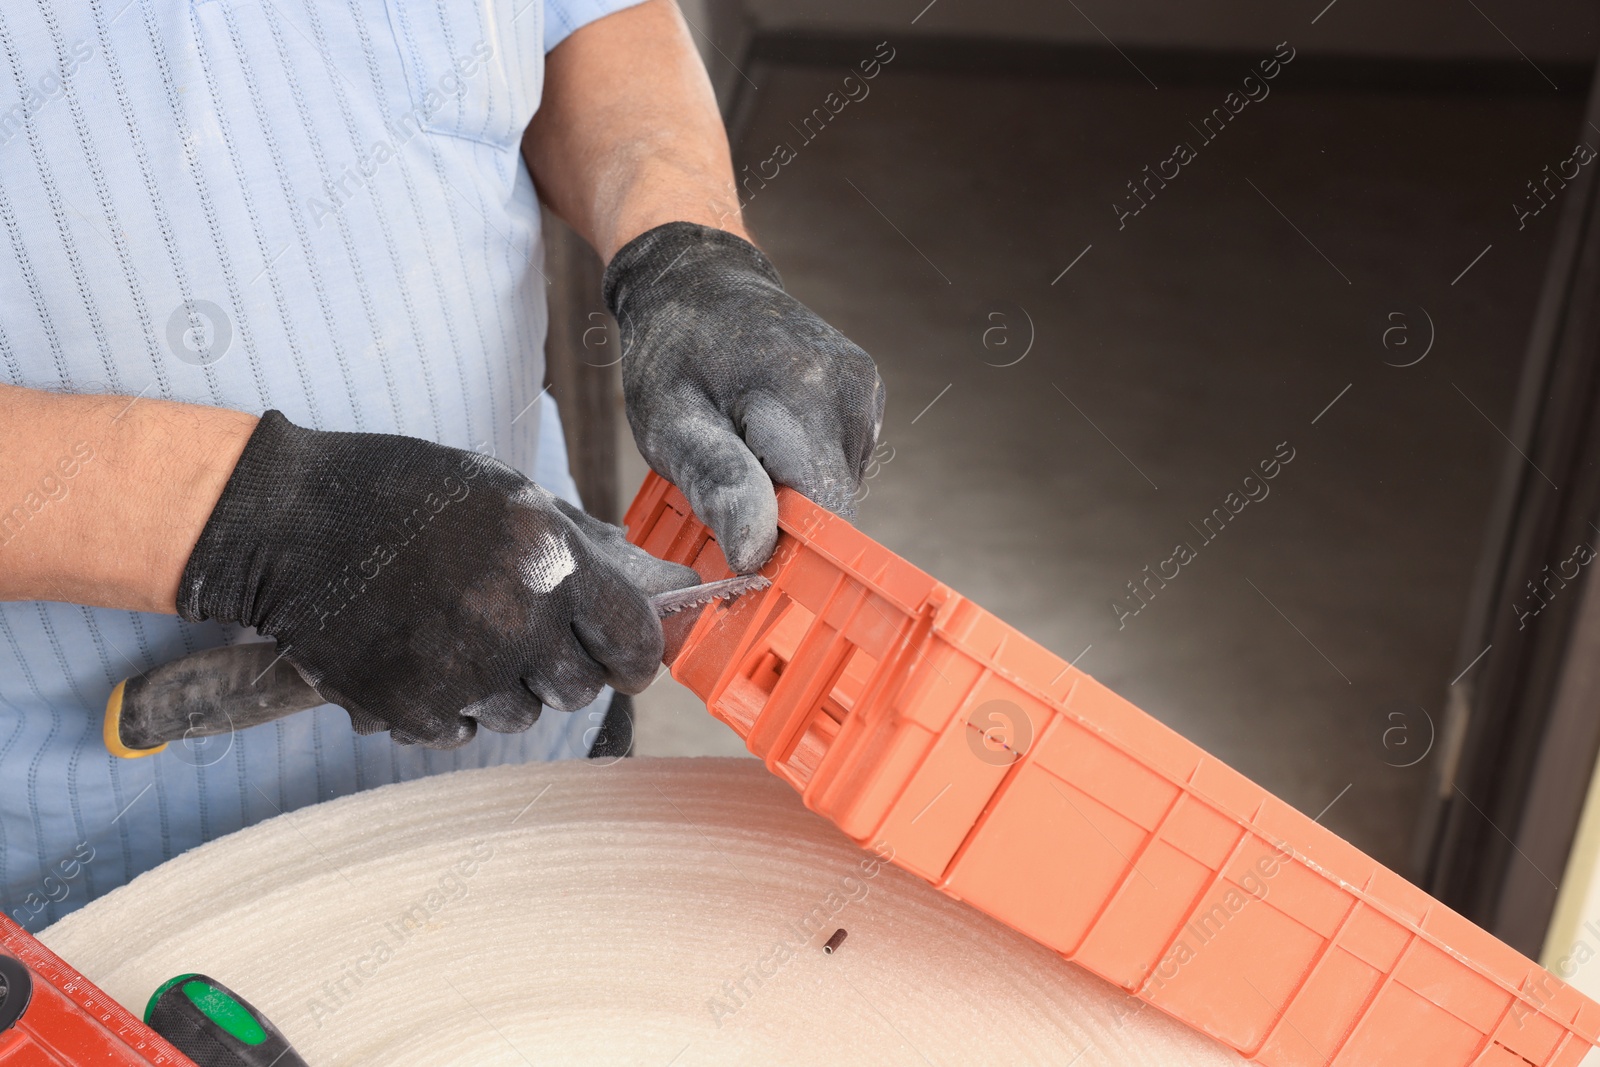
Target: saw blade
[(682, 599)]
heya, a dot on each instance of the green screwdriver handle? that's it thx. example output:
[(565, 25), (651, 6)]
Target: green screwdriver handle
[(216, 1027)]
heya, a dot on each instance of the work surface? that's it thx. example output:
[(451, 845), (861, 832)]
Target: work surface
[(646, 912)]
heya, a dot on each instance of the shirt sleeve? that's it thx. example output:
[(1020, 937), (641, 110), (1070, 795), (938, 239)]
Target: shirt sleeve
[(561, 17)]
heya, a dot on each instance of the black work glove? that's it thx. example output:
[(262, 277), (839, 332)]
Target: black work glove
[(424, 589), (732, 384)]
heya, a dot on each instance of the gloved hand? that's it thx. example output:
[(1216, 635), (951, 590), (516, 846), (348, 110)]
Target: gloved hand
[(732, 384), (424, 589)]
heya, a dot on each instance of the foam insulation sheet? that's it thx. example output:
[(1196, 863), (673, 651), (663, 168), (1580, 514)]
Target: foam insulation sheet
[(646, 912)]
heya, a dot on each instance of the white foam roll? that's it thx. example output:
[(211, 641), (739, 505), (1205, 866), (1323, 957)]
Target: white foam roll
[(648, 912)]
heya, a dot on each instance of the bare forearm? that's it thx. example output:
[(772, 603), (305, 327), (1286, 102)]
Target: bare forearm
[(103, 497), (628, 135)]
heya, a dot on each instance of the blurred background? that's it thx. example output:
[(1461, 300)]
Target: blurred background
[(1371, 270)]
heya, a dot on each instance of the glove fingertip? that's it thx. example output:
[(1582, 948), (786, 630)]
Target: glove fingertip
[(651, 574), (745, 523), (632, 667), (453, 735), (674, 576), (746, 550), (635, 679), (506, 713), (364, 724)]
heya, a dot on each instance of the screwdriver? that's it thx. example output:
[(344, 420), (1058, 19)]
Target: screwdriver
[(216, 1027)]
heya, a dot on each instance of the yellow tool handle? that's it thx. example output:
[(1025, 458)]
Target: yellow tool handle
[(203, 695)]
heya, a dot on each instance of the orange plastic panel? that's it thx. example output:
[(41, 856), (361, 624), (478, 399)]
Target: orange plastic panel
[(69, 1022), (928, 729)]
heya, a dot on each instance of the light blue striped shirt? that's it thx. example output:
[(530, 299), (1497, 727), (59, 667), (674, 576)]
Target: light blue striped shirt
[(311, 205)]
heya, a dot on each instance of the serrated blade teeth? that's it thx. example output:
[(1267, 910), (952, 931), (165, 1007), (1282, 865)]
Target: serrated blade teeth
[(686, 605), (695, 596)]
